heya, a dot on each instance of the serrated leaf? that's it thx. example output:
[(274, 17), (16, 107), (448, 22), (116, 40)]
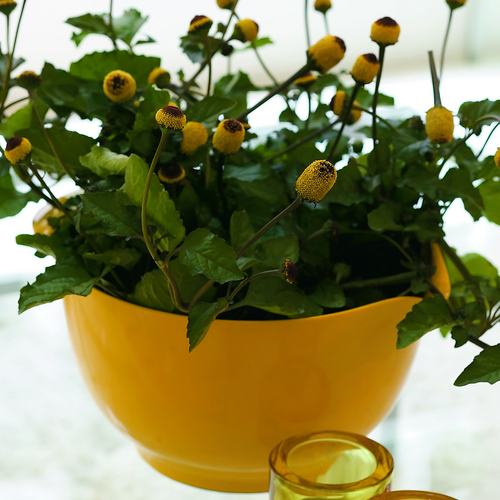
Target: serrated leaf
[(11, 200), (248, 173), (210, 108), (91, 23), (161, 210), (470, 111), (53, 245), (127, 25), (328, 294), (66, 277), (117, 218), (273, 251), (384, 218), (241, 230), (476, 264), (205, 253), (153, 292), (275, 295), (424, 317), (103, 162), (260, 42), (201, 317), (484, 368), (123, 257)]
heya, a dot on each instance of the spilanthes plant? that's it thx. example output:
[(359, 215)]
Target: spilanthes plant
[(182, 207)]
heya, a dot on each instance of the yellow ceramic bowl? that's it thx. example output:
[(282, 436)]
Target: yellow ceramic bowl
[(210, 418)]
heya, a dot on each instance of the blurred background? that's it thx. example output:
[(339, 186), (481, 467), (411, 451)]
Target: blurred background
[(54, 443)]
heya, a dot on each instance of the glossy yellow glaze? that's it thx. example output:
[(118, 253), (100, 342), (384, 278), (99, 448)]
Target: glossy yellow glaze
[(210, 418)]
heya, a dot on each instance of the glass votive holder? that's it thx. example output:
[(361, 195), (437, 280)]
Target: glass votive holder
[(329, 465), (411, 495)]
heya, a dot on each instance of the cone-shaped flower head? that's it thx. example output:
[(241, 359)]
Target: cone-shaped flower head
[(323, 5), (338, 104), (497, 158), (385, 31), (455, 4), (171, 173), (160, 77), (439, 125), (194, 135), (315, 181), (327, 53), (229, 136), (7, 6), (17, 149), (28, 80), (171, 118), (200, 25), (288, 271), (246, 30), (119, 86), (226, 4), (365, 68), (305, 80)]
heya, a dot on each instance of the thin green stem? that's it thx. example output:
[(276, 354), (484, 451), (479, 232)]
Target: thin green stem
[(9, 63), (243, 283), (8, 33), (275, 91), (297, 144), (381, 55), (457, 261), (345, 114), (435, 80), (209, 57), (327, 28), (386, 281), (15, 102), (443, 51), (180, 93), (487, 140), (306, 20), (200, 292), (264, 67), (242, 303), (479, 343), (370, 112), (220, 187), (111, 27)]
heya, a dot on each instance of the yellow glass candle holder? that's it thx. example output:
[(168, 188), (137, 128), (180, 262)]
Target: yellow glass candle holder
[(329, 465), (411, 495)]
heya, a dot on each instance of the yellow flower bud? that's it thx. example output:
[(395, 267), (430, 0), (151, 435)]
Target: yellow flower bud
[(315, 181), (439, 125), (246, 30), (327, 53), (137, 104), (323, 6), (338, 104), (160, 77), (119, 86), (7, 6), (171, 173), (305, 80), (497, 158), (171, 117), (385, 31), (365, 68), (288, 271), (28, 80), (229, 136), (194, 135), (226, 4), (455, 4), (17, 149), (200, 24)]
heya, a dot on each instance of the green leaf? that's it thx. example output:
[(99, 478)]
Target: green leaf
[(260, 42), (153, 292), (161, 209), (241, 231), (11, 200), (210, 108), (484, 368), (91, 23), (201, 317), (123, 257), (103, 162), (97, 65), (328, 294), (22, 119), (66, 277), (54, 245), (127, 26), (192, 48), (273, 251), (424, 317), (429, 226), (153, 100), (248, 173), (470, 111), (188, 284), (384, 218), (205, 253), (490, 194), (276, 296), (118, 219), (347, 191), (235, 87)]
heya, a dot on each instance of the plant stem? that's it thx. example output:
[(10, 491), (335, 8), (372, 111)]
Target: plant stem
[(220, 187), (50, 142), (346, 112), (389, 280), (441, 66), (9, 63), (209, 57), (476, 341), (274, 272), (370, 112), (327, 28), (306, 19), (457, 261), (111, 28), (307, 138), (381, 56), (487, 140), (295, 204), (275, 91), (8, 33), (435, 80), (15, 102), (265, 68), (179, 93)]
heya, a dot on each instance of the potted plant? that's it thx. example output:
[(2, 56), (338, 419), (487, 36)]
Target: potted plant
[(294, 287)]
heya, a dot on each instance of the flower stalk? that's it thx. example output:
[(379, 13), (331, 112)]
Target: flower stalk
[(376, 94)]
